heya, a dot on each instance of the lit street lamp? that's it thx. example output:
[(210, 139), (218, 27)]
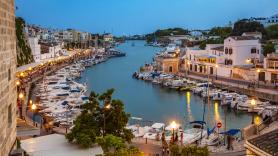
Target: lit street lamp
[(33, 107), (107, 107), (17, 82), (258, 71), (173, 126), (20, 96)]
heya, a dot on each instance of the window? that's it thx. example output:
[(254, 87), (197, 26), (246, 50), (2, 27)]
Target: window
[(230, 51), (170, 69), (9, 74), (201, 69), (195, 68), (190, 67), (226, 50), (253, 51), (10, 120)]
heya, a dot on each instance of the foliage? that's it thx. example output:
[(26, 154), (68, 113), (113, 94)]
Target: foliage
[(242, 26), (210, 41), (90, 123), (166, 32), (223, 32), (115, 146), (18, 143), (24, 54), (268, 48), (188, 150), (272, 31)]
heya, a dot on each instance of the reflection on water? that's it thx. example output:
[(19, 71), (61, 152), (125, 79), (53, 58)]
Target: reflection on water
[(257, 120), (189, 113), (217, 116)]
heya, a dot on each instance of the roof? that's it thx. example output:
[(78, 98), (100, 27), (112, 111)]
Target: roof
[(56, 145), (238, 38), (252, 33), (221, 48), (267, 142), (158, 125)]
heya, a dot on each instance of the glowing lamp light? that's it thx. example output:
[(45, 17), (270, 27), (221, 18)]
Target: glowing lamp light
[(20, 95), (21, 74), (253, 102), (258, 70), (30, 68), (108, 106), (216, 66), (188, 63), (17, 83), (173, 125), (33, 107)]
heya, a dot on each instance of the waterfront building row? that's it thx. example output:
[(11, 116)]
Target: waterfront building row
[(239, 57)]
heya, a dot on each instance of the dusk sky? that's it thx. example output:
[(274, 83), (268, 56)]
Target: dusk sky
[(126, 17)]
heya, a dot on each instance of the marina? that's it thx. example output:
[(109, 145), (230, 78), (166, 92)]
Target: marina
[(151, 102)]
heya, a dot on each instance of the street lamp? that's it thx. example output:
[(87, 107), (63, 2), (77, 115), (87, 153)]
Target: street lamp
[(173, 126), (258, 71), (188, 64), (17, 82), (216, 66), (253, 104), (33, 107), (20, 95), (107, 107)]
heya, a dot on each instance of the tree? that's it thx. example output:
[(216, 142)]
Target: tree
[(96, 119), (115, 146), (272, 31), (242, 26), (223, 32), (268, 48), (189, 150)]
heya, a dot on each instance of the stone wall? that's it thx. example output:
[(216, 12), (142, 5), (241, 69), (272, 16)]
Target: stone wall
[(8, 63)]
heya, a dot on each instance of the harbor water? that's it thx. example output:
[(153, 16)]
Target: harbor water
[(153, 102)]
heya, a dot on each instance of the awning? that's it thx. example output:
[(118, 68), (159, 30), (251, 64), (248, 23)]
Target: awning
[(231, 132)]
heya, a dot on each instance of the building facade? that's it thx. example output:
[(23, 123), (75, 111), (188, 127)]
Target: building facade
[(7, 77)]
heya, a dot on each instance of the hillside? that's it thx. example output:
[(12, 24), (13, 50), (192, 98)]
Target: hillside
[(24, 54)]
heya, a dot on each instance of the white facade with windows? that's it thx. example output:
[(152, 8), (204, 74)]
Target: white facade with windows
[(35, 48), (239, 49)]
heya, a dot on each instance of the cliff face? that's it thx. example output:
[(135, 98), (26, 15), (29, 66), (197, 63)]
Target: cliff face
[(24, 54)]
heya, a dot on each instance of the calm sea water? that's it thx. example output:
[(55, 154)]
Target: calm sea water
[(152, 102)]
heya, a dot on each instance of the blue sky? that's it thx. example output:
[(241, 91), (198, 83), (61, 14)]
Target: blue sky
[(125, 17)]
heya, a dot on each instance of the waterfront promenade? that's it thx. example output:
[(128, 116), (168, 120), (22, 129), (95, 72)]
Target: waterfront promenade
[(261, 91)]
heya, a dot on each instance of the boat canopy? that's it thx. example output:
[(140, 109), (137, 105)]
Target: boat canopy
[(158, 125), (210, 131), (198, 122), (231, 132)]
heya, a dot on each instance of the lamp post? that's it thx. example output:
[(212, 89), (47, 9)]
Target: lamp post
[(107, 107), (188, 63), (20, 96), (33, 107), (258, 71), (216, 66), (253, 104), (173, 126)]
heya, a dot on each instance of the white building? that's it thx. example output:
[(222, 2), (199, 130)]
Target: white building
[(222, 59), (266, 21), (238, 50), (35, 48)]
